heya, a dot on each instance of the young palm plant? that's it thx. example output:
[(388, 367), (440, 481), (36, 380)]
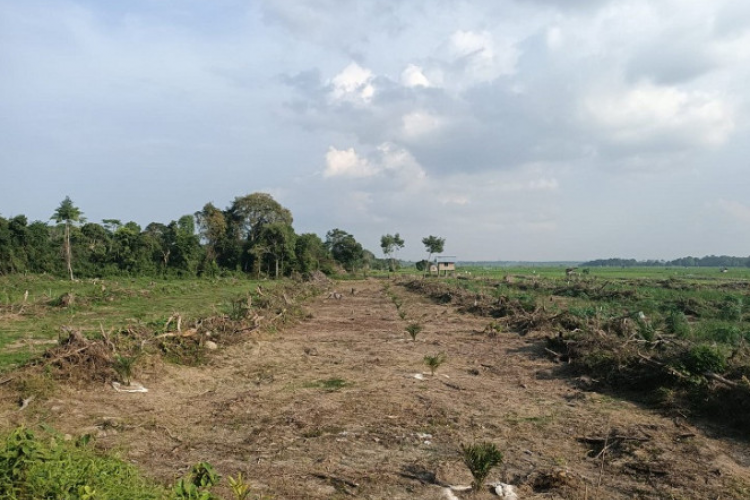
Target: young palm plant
[(480, 458), (123, 365), (413, 330), (434, 362)]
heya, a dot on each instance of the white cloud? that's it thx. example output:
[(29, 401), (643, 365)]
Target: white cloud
[(353, 84), (479, 57), (387, 160), (647, 113), (420, 123), (346, 163), (413, 76)]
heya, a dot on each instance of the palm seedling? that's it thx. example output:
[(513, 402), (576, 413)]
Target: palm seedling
[(434, 362), (413, 330), (480, 458), (123, 365)]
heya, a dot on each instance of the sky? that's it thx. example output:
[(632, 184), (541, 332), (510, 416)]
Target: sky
[(532, 130)]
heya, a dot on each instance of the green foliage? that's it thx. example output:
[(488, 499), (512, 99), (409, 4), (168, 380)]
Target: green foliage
[(434, 362), (480, 459), (329, 385), (704, 358), (345, 249), (123, 365), (676, 323), (196, 486), (240, 489), (731, 308), (413, 329), (34, 468)]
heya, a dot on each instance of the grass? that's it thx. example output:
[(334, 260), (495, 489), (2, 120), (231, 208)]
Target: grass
[(103, 305)]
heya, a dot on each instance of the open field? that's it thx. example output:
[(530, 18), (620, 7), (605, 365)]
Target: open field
[(330, 407), (34, 309)]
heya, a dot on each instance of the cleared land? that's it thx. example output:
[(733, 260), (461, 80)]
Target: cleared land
[(330, 408)]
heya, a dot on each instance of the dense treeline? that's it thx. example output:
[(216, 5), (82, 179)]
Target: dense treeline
[(708, 261), (254, 235)]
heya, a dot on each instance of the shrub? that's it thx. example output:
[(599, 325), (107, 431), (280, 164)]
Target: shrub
[(704, 358), (676, 323), (33, 468), (731, 308)]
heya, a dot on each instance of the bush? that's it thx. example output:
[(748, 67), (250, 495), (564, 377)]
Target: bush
[(32, 468), (676, 323), (704, 358), (731, 308)]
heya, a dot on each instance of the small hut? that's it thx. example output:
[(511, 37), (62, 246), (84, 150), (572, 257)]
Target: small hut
[(443, 265)]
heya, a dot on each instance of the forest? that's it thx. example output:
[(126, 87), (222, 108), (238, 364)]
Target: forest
[(253, 235)]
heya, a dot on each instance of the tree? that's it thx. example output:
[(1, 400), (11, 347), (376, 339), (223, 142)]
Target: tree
[(248, 214), (212, 227), (344, 249), (390, 244), (432, 245), (246, 218), (311, 254), (68, 214), (277, 241)]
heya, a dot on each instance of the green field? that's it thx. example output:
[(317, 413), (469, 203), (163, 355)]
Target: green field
[(90, 306)]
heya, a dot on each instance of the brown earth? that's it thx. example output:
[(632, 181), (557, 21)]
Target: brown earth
[(331, 408)]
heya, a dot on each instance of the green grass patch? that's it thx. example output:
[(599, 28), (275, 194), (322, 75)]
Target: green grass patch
[(111, 305)]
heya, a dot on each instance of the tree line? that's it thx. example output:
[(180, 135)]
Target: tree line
[(707, 261), (253, 236)]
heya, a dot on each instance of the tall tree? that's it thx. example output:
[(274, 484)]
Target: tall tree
[(391, 243), (344, 249), (433, 245), (277, 241), (246, 218), (212, 227), (67, 214), (312, 254)]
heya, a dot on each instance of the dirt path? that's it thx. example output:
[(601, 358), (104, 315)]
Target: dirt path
[(330, 408)]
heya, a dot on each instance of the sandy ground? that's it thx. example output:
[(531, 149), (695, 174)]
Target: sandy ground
[(331, 408)]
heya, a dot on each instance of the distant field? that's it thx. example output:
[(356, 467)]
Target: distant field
[(714, 303), (92, 305), (701, 273)]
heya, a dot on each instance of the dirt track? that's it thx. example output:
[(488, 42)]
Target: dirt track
[(330, 408)]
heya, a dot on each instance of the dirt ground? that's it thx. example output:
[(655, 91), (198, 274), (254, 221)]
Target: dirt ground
[(331, 408)]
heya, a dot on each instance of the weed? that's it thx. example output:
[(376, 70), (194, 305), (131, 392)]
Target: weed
[(704, 358), (240, 488), (413, 330), (197, 484), (328, 385), (676, 323), (480, 458), (492, 329), (434, 362)]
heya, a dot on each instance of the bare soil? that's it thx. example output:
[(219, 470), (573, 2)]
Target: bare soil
[(331, 408)]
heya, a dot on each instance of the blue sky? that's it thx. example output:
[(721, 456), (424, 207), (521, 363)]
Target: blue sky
[(534, 130)]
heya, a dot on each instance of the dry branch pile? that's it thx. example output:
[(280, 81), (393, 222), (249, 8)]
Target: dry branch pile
[(622, 352)]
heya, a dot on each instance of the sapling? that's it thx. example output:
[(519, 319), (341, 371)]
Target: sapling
[(240, 488), (480, 458), (434, 362), (123, 365), (413, 330)]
